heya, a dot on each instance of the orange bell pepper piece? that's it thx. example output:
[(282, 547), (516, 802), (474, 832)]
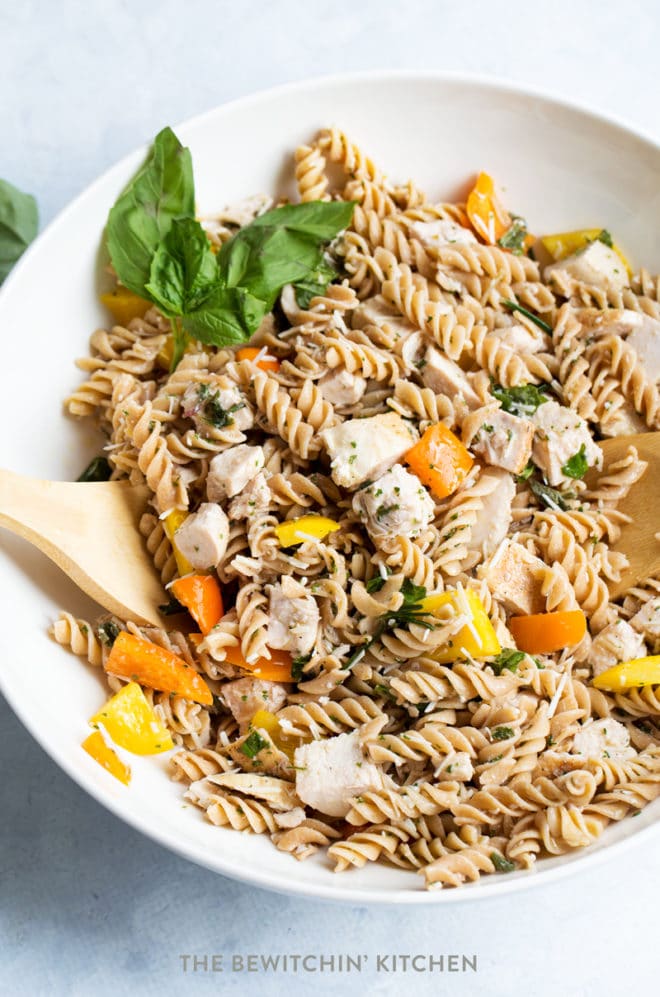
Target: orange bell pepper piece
[(543, 633), (488, 217), (440, 460), (251, 353), (95, 745), (201, 596), (277, 668), (157, 668), (123, 305)]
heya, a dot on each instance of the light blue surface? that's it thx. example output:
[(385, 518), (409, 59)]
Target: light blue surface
[(88, 906)]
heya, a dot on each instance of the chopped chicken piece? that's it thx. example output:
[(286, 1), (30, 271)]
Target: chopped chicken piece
[(502, 439), (518, 337), (515, 578), (596, 264), (245, 696), (294, 617), (616, 643), (213, 406), (442, 232), (609, 321), (330, 771), (231, 470), (647, 619), (494, 518), (202, 537), (445, 377), (341, 388), (378, 311), (645, 340), (560, 435), (254, 499), (396, 504), (363, 449), (606, 738), (269, 760)]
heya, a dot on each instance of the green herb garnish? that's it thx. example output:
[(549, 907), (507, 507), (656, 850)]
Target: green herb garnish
[(375, 584), (515, 307), (502, 864), (522, 400), (502, 733), (98, 469), (171, 608), (577, 466), (297, 666), (527, 471), (19, 222), (508, 658), (409, 612), (515, 235), (218, 416), (108, 633), (160, 252), (604, 236), (253, 744), (550, 497)]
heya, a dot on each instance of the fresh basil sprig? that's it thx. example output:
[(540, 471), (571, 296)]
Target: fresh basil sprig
[(522, 400), (160, 252), (19, 222)]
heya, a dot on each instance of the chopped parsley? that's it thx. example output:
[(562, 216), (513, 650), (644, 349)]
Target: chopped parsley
[(508, 658), (604, 236), (576, 466), (502, 733), (253, 744), (216, 415), (409, 612), (385, 510)]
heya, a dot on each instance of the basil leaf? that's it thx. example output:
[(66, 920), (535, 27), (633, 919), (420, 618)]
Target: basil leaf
[(515, 307), (228, 316), (315, 284), (522, 400), (502, 864), (108, 632), (576, 466), (262, 260), (508, 658), (550, 497), (375, 584), (322, 220), (515, 235), (253, 744), (183, 269), (162, 190), (19, 222), (527, 471), (412, 593), (98, 469)]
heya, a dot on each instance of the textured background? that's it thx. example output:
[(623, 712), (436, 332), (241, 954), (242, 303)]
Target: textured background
[(88, 906)]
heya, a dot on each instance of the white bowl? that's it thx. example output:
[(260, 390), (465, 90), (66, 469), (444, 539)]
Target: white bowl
[(561, 167)]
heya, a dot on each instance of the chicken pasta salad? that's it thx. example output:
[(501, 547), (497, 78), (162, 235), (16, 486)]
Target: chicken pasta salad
[(369, 423)]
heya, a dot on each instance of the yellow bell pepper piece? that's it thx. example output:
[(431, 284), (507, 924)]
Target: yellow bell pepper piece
[(563, 244), (265, 720), (123, 305), (296, 531), (171, 524), (630, 674), (95, 745), (132, 723), (478, 638)]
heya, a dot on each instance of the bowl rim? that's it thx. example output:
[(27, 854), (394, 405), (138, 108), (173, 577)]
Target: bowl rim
[(581, 860)]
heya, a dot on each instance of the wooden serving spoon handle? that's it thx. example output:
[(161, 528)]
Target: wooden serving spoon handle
[(90, 530)]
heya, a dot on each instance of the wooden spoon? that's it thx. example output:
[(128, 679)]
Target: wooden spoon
[(637, 539), (90, 530)]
